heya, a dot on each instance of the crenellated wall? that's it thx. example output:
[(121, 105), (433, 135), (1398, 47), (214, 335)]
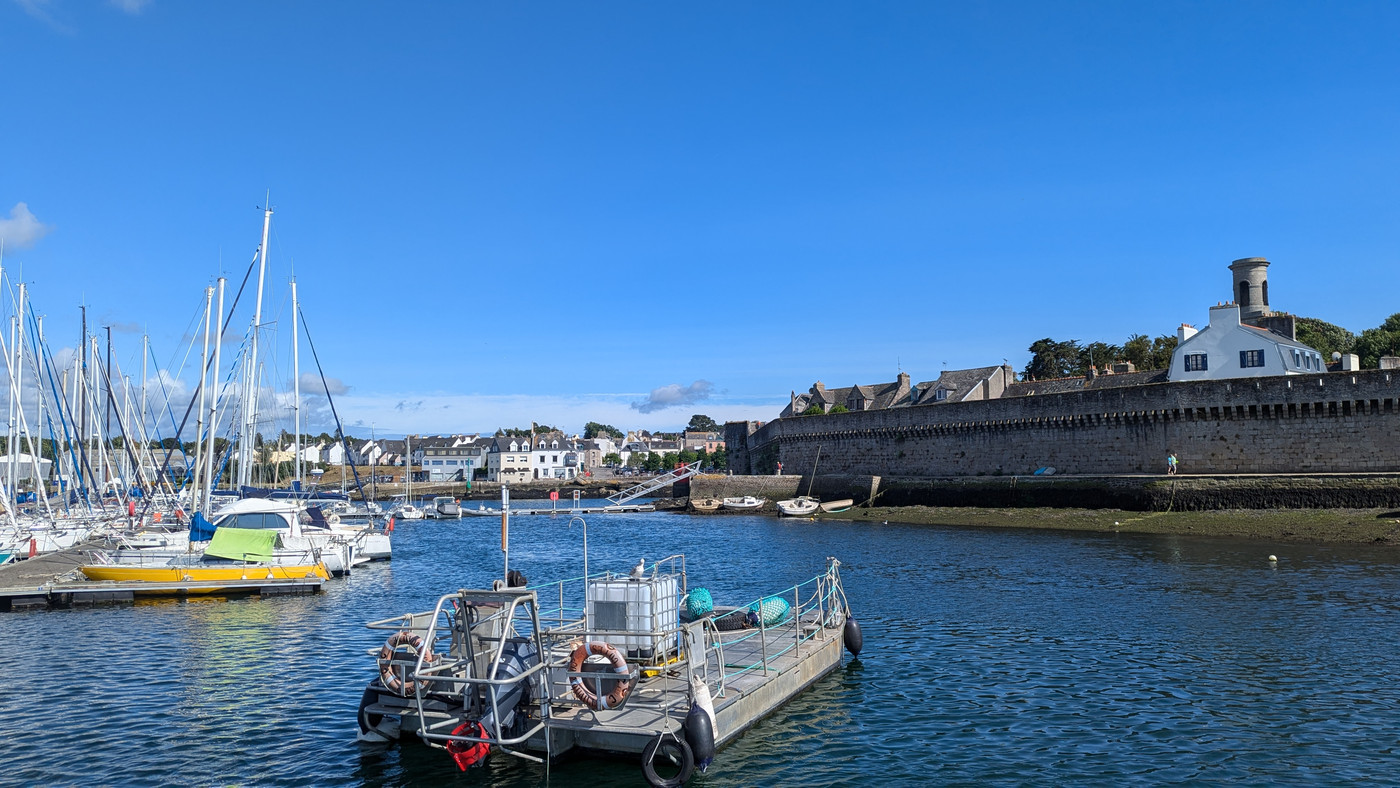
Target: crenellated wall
[(1326, 423)]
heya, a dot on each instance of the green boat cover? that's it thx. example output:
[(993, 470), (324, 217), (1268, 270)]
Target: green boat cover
[(242, 544)]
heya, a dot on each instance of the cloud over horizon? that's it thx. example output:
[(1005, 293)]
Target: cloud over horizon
[(675, 395), (23, 229)]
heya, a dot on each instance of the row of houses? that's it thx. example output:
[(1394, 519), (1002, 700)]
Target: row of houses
[(501, 458)]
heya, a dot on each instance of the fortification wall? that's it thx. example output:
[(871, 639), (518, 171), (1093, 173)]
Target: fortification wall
[(1326, 423)]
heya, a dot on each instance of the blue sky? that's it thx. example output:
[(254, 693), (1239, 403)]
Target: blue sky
[(562, 212)]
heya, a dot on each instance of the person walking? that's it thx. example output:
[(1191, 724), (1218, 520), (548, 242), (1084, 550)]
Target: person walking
[(1171, 464)]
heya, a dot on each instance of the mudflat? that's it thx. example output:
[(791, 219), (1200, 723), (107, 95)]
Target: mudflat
[(1375, 526)]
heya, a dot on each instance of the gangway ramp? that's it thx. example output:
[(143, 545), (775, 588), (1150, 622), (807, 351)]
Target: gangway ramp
[(654, 483)]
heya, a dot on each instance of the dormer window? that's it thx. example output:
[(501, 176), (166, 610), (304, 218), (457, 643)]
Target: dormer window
[(940, 395)]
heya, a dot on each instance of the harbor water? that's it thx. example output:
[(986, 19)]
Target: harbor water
[(992, 656)]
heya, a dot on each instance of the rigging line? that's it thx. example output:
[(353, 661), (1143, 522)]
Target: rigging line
[(79, 459), (106, 374), (339, 431), (194, 397)]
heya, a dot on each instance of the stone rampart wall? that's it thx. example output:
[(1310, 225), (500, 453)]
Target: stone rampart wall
[(1327, 423)]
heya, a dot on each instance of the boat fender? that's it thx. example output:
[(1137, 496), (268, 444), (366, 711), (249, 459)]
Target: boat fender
[(368, 722), (392, 680), (851, 635), (672, 749), (700, 735), (468, 753), (700, 693), (581, 691)]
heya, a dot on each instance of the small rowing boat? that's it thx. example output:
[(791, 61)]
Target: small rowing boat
[(747, 503), (838, 506)]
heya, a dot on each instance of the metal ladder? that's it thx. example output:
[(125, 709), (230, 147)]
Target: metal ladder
[(654, 484)]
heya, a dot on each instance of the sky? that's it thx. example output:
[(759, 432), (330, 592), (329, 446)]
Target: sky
[(629, 213)]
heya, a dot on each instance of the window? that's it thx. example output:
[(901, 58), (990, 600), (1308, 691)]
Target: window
[(940, 395), (1297, 359), (1244, 293), (554, 458), (1196, 362), (1251, 358), (1307, 360)]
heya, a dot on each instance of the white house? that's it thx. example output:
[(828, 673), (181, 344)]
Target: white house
[(555, 457), (1228, 348)]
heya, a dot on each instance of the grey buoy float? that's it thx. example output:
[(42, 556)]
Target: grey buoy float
[(851, 635)]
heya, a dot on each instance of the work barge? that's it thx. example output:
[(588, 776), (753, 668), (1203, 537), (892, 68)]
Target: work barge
[(634, 665)]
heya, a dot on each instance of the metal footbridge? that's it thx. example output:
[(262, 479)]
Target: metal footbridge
[(653, 484)]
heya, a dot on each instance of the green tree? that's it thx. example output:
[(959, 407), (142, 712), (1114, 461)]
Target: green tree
[(702, 423), (1097, 354), (593, 429), (813, 410), (1051, 359), (1162, 348), (1383, 340), (612, 458), (1325, 337), (838, 408), (719, 458)]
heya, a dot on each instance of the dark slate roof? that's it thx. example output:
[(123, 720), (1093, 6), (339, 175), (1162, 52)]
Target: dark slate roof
[(958, 382), (1061, 385), (1124, 379)]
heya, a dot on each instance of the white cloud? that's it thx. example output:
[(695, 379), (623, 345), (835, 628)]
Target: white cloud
[(675, 395), (22, 230), (311, 386)]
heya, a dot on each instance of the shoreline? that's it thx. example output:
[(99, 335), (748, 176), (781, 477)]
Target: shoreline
[(1379, 527)]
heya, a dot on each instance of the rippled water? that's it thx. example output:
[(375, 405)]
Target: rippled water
[(992, 656)]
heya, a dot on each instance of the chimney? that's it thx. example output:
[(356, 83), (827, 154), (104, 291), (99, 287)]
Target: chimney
[(1185, 332), (1350, 362)]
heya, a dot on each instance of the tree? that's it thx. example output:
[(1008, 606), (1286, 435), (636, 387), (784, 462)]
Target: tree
[(1097, 354), (719, 458), (702, 423), (839, 408), (1051, 359), (1162, 349), (1138, 351), (1383, 340), (593, 429), (612, 458), (1325, 337), (813, 410)]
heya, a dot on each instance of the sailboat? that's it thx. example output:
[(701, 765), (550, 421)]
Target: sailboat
[(803, 505)]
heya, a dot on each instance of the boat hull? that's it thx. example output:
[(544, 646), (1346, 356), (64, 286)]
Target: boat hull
[(203, 574)]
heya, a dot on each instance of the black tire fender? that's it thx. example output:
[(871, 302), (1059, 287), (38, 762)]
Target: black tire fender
[(666, 743)]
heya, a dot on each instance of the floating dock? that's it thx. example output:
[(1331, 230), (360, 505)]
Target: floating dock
[(53, 581)]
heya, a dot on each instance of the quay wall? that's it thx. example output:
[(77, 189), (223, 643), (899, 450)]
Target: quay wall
[(1345, 422), (1133, 493)]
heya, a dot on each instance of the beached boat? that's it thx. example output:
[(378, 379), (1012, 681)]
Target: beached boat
[(838, 506), (233, 554), (804, 506), (746, 503), (651, 670), (705, 504)]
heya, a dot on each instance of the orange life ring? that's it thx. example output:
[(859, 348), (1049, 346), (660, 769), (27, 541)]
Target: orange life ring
[(392, 680), (581, 691)]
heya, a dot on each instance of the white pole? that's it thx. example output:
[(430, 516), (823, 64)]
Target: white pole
[(199, 420), (213, 407), (250, 375), (145, 436), (296, 386)]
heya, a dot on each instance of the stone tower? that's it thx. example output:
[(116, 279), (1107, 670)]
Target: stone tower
[(1251, 287)]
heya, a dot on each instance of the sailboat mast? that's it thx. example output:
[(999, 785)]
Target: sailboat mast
[(213, 407), (199, 422), (296, 387), (250, 374), (145, 436)]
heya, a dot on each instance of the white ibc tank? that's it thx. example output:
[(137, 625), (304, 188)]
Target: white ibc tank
[(632, 615)]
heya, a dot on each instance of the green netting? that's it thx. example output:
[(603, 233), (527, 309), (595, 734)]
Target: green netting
[(242, 544)]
